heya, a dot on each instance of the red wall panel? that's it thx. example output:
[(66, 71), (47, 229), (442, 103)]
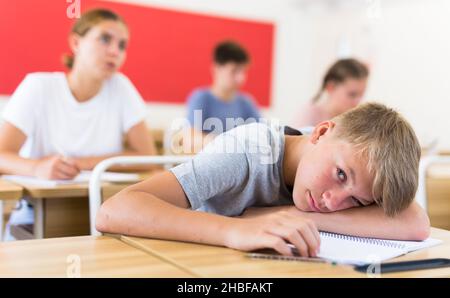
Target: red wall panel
[(169, 52)]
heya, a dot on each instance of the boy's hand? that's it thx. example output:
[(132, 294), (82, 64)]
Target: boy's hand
[(275, 231), (56, 167)]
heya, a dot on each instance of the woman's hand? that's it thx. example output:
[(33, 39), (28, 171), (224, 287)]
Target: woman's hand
[(56, 167)]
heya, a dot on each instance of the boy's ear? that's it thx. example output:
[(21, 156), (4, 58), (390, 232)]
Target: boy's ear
[(321, 129), (329, 87), (74, 40)]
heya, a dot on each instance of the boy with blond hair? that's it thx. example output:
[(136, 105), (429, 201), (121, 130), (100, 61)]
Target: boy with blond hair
[(355, 174)]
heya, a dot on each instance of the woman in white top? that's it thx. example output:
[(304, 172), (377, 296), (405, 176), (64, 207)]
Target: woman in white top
[(342, 88), (57, 124)]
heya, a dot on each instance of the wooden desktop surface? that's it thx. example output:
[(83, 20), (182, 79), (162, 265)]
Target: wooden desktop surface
[(212, 261), (10, 191), (97, 256)]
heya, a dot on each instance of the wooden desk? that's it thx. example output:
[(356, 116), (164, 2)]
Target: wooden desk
[(438, 195), (8, 192), (211, 261), (97, 256), (439, 251), (63, 211)]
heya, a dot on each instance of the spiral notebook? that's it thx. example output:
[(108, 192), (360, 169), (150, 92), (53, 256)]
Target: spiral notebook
[(353, 250)]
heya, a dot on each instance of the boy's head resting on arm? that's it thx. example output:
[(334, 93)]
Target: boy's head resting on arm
[(367, 155)]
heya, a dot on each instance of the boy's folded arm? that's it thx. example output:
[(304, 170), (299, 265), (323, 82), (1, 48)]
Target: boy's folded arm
[(410, 224), (371, 221), (253, 212), (158, 208)]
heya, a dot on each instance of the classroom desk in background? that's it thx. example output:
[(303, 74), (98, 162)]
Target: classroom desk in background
[(438, 195), (9, 193), (9, 190), (61, 211), (86, 256), (212, 261)]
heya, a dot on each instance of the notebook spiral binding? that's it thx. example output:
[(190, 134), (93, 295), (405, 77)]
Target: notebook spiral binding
[(366, 240)]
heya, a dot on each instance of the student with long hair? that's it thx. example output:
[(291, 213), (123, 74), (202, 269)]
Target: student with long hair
[(343, 87), (59, 123)]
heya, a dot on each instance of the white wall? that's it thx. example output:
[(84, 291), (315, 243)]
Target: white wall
[(407, 43), (413, 65)]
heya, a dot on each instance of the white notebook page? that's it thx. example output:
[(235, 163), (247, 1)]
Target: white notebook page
[(355, 250), (359, 250)]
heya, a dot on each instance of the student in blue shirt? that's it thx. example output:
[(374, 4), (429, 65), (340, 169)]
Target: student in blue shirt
[(222, 106)]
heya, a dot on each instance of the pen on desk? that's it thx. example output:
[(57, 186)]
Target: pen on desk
[(406, 265), (296, 256), (286, 258), (294, 250)]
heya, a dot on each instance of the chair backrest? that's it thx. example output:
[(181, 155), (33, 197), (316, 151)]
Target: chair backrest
[(95, 192)]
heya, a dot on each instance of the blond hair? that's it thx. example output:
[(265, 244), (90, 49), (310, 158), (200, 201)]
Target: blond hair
[(391, 149), (88, 20)]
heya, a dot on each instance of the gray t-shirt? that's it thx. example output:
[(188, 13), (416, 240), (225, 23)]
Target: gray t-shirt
[(239, 169)]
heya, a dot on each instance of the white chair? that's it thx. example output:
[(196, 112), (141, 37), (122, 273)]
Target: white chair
[(95, 191), (425, 163)]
